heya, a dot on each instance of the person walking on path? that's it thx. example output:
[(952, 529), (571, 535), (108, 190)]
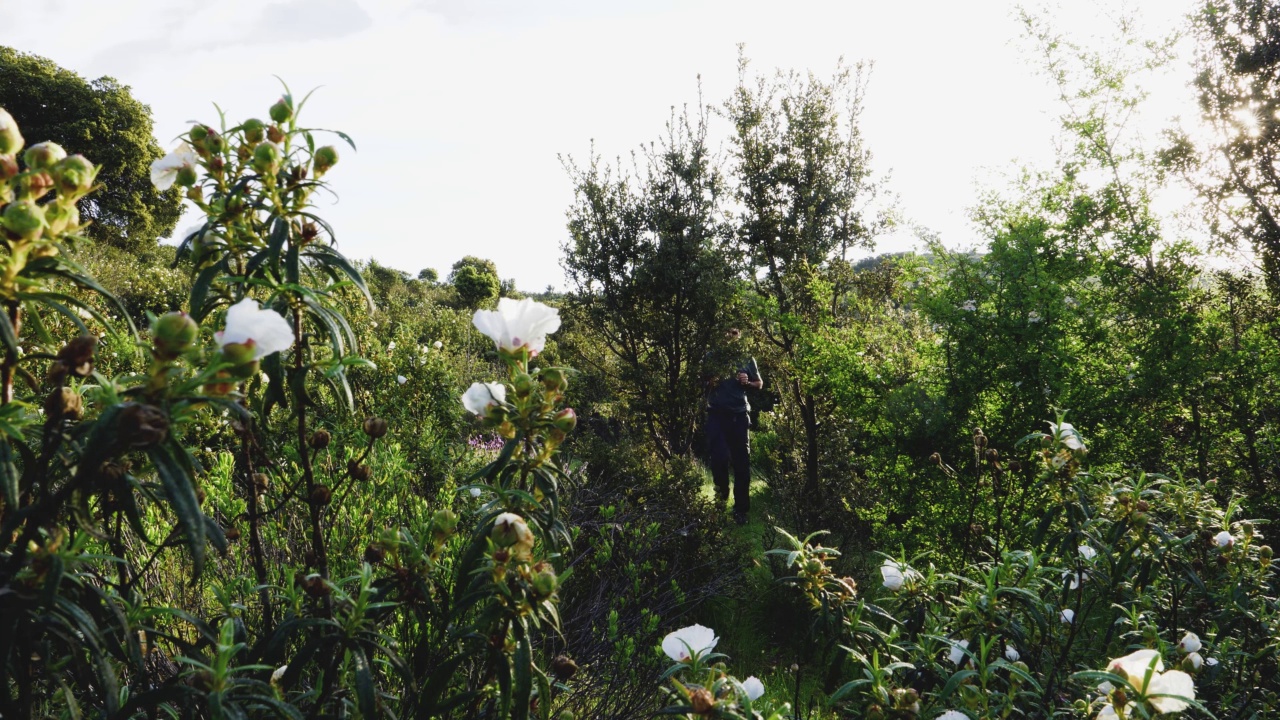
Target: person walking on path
[(729, 373)]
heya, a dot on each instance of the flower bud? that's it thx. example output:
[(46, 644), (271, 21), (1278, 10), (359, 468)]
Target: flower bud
[(375, 427), (508, 529), (10, 138), (254, 130), (24, 218), (545, 582), (275, 134), (186, 175), (321, 495), (281, 111), (8, 166), (266, 158), (198, 133), (232, 533), (523, 384), (374, 554), (565, 420), (74, 176), (61, 218), (554, 379), (242, 358), (935, 458), (43, 156), (445, 521), (326, 157), (214, 142), (319, 439), (174, 334)]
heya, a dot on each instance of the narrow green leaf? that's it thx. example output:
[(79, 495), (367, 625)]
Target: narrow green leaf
[(180, 490)]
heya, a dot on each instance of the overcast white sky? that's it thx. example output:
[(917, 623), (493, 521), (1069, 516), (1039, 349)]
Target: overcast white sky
[(460, 107)]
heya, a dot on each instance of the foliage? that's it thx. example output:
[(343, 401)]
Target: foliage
[(654, 276), (1114, 562), (102, 120)]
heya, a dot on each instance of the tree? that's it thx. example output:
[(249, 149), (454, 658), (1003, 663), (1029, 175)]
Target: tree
[(803, 180), (649, 262), (1238, 82), (475, 280), (429, 275), (101, 120)]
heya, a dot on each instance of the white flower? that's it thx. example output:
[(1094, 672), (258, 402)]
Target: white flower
[(1069, 301), (437, 344), (1135, 666), (278, 673), (1108, 712), (1211, 662), (1175, 683), (1087, 552), (1224, 539), (264, 330), (753, 687), (518, 324), (1195, 660), (688, 641), (969, 306), (952, 715), (896, 575), (391, 346), (1105, 687), (475, 492), (957, 654), (165, 170), (1093, 281), (481, 396), (1034, 317), (1190, 643), (402, 379), (1067, 615), (1066, 434), (1011, 653), (1076, 578)]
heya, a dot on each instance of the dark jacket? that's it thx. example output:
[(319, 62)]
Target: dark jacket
[(727, 394)]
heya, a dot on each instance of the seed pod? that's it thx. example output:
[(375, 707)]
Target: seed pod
[(64, 404), (358, 472), (141, 426), (702, 701), (375, 427), (319, 439), (374, 554), (563, 667), (261, 481), (232, 533), (281, 111), (321, 495)]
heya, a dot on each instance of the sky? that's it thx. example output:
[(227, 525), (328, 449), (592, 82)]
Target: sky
[(463, 111)]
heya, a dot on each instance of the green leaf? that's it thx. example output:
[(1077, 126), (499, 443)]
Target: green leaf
[(365, 693), (180, 489), (524, 679), (8, 478)]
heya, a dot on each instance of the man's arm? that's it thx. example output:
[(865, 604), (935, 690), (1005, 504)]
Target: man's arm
[(753, 375)]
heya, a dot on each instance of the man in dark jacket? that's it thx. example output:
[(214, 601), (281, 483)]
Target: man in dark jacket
[(729, 372)]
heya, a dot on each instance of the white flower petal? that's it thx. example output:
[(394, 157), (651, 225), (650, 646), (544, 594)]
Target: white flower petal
[(1224, 539), (693, 639), (753, 687), (1087, 552), (1067, 616), (401, 379), (165, 170), (246, 322), (1011, 653), (518, 324), (1176, 683), (1108, 712), (952, 715), (1189, 643), (892, 574), (957, 654), (481, 396)]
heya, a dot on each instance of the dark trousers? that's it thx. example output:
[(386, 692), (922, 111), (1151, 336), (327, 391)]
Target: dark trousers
[(727, 438)]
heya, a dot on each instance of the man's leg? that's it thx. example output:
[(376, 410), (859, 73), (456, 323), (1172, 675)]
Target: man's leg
[(741, 456), (718, 453)]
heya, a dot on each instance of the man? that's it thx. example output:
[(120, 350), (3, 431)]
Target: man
[(729, 372)]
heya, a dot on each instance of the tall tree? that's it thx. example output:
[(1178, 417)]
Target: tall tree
[(649, 262), (803, 181), (101, 120), (1238, 83)]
